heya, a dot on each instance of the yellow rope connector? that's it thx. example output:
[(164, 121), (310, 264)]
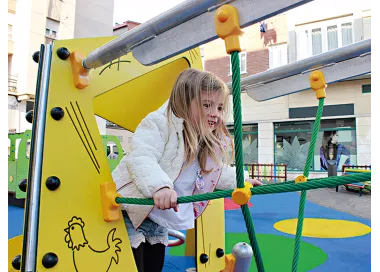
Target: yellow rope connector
[(300, 179), (80, 74), (318, 83), (241, 196), (227, 27), (111, 209)]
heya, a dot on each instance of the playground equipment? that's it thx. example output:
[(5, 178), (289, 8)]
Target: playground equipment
[(77, 227), (354, 169), (18, 160), (338, 64), (267, 172), (113, 150)]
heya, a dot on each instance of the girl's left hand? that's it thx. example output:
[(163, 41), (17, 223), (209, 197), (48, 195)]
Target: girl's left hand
[(254, 182)]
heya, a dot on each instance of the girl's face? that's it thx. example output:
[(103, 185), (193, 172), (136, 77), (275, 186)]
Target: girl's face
[(335, 138), (211, 109)]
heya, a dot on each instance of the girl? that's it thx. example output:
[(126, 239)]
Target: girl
[(332, 150), (179, 150)]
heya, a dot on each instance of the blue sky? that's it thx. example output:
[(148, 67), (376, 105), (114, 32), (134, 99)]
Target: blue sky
[(141, 11)]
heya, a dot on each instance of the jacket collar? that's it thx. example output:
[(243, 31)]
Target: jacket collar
[(177, 122)]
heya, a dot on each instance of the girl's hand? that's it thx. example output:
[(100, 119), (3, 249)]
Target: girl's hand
[(165, 198), (254, 182)]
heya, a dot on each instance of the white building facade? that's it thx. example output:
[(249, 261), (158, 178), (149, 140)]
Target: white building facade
[(279, 130), (35, 22)]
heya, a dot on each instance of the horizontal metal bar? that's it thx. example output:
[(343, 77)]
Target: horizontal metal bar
[(318, 61), (342, 70), (201, 29), (182, 28), (150, 29)]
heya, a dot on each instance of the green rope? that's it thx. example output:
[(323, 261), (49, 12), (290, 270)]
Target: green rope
[(301, 209), (239, 155), (289, 186), (237, 118), (314, 137)]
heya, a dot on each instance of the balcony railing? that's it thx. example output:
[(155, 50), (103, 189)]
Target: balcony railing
[(12, 83)]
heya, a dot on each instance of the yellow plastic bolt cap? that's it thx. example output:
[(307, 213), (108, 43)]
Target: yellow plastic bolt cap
[(315, 77), (227, 27), (222, 15), (318, 84), (241, 196), (300, 179)]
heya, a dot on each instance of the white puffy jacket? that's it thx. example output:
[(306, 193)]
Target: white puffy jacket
[(155, 161)]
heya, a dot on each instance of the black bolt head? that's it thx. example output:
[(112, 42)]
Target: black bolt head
[(203, 258), (29, 116), (49, 260), (16, 262), (57, 113), (22, 185), (36, 56), (219, 253), (53, 183), (63, 53)]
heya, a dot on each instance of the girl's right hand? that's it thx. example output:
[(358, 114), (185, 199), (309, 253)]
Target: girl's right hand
[(165, 198)]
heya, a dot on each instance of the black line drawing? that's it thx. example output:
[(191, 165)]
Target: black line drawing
[(82, 250), (95, 162), (112, 63)]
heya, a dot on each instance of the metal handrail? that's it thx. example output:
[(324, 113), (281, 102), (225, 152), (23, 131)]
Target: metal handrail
[(159, 24), (183, 15), (334, 56)]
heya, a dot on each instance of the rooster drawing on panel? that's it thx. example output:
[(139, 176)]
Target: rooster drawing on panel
[(84, 253)]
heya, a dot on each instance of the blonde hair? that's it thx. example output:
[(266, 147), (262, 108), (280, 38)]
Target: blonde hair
[(188, 87)]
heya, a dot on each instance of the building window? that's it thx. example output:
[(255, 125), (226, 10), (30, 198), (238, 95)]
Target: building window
[(320, 37), (332, 37), (278, 55), (347, 34), (250, 143), (316, 40), (366, 88), (51, 30), (366, 28), (243, 63), (51, 33), (336, 144), (10, 32), (302, 44)]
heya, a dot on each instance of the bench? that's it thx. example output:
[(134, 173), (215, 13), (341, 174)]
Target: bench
[(352, 169)]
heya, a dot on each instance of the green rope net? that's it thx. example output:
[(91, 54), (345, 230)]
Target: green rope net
[(289, 186), (239, 155), (306, 171)]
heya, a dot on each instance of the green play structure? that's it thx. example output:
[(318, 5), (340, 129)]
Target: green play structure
[(18, 158), (18, 161), (113, 149)]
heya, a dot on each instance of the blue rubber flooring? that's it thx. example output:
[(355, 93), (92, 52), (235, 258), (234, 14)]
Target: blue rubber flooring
[(344, 254)]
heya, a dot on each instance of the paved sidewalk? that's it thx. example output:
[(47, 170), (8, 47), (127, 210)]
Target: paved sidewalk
[(344, 201)]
